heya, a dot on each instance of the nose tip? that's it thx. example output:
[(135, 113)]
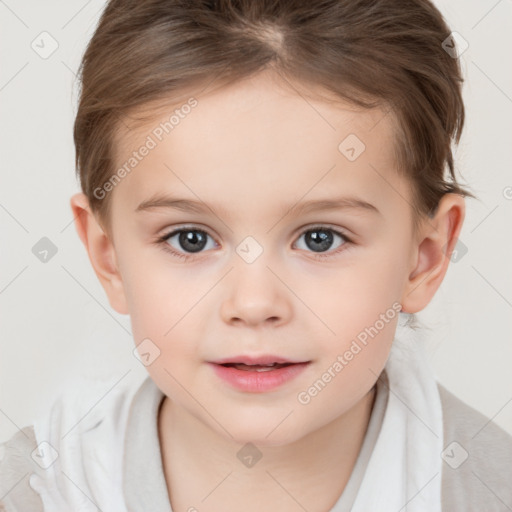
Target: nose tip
[(255, 296)]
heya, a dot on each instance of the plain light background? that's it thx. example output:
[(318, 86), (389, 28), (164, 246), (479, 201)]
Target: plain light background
[(56, 323)]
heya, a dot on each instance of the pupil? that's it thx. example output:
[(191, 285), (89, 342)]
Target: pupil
[(192, 241), (321, 240)]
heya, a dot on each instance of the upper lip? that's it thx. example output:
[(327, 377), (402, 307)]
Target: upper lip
[(255, 360)]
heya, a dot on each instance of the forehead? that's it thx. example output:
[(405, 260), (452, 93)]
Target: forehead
[(258, 142)]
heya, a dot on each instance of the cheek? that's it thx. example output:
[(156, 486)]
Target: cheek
[(360, 305), (354, 297), (163, 303), (159, 292), (350, 362)]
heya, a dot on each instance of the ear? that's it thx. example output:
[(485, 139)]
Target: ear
[(101, 252), (436, 241)]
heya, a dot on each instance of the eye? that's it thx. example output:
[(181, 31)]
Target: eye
[(186, 240), (320, 239)]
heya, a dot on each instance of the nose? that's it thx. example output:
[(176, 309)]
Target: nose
[(255, 295)]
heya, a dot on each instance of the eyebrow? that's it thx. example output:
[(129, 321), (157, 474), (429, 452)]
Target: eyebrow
[(193, 206)]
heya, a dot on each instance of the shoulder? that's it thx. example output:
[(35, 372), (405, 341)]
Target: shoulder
[(88, 418), (16, 468), (477, 459)]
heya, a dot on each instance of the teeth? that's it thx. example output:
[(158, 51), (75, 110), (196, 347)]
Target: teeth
[(256, 367), (251, 365)]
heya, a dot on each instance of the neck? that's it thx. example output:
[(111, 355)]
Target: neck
[(202, 471)]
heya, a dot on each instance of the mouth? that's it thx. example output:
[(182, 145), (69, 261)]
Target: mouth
[(260, 363), (256, 367), (257, 374)]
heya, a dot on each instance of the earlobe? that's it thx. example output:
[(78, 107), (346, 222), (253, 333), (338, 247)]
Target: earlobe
[(101, 252), (435, 245)]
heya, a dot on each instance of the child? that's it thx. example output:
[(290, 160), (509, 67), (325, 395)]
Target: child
[(264, 193)]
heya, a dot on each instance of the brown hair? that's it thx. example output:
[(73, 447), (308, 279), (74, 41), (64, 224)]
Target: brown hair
[(385, 53)]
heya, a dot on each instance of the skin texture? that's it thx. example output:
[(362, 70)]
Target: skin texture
[(250, 151)]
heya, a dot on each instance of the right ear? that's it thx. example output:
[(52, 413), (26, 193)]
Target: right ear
[(101, 252)]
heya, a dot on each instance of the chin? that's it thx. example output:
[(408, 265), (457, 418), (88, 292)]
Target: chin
[(263, 432)]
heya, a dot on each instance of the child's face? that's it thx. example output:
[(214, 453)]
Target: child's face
[(248, 154)]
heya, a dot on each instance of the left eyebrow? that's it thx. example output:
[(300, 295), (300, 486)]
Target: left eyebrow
[(194, 206), (332, 204)]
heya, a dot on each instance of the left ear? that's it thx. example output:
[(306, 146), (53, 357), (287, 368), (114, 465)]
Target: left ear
[(436, 241)]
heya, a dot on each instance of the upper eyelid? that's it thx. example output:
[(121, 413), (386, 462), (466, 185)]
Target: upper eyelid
[(307, 227), (175, 231)]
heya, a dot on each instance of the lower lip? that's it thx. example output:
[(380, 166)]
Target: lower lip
[(258, 382)]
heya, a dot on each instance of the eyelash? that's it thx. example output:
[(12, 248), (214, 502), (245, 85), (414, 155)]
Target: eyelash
[(162, 241)]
